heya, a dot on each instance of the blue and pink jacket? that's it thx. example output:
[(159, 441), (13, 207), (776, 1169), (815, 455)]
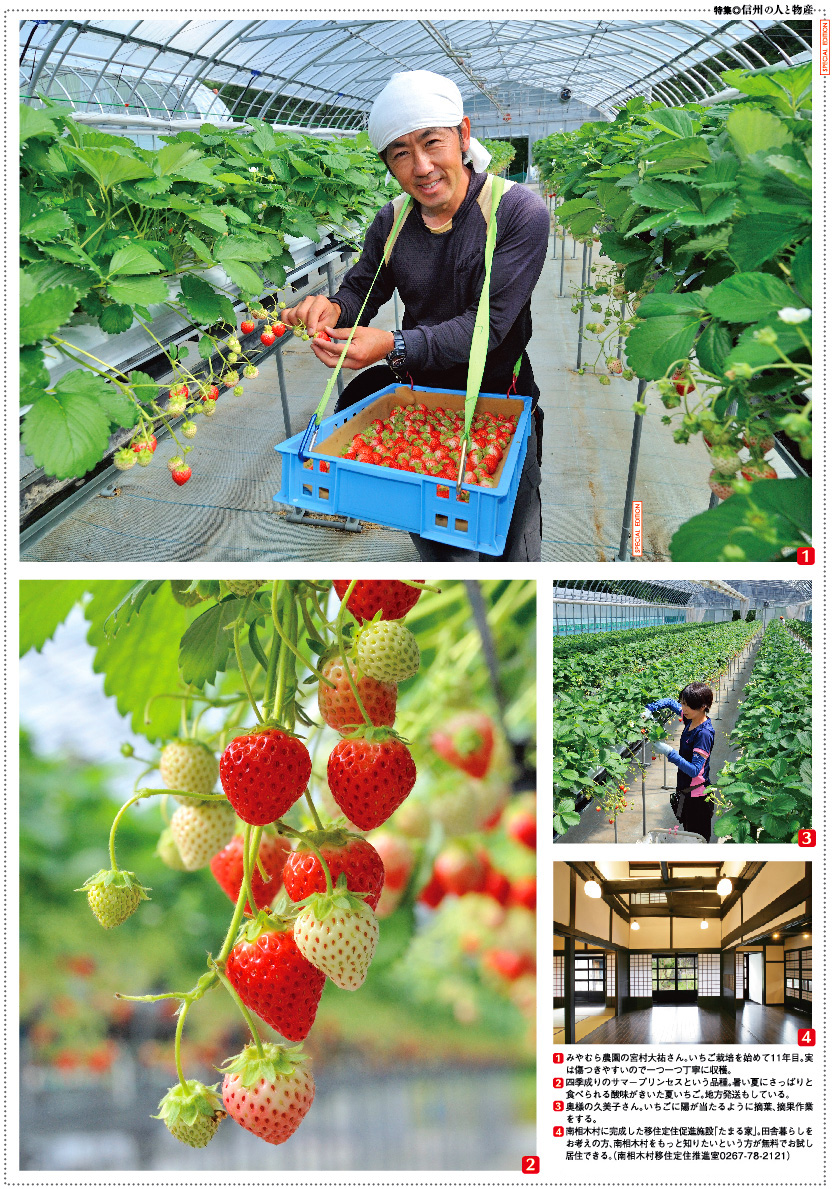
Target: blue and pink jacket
[(695, 747)]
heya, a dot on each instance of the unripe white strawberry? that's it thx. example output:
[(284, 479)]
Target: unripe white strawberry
[(123, 460), (209, 408), (338, 933), (719, 486), (724, 459), (230, 378), (177, 405), (237, 390), (200, 830), (192, 1113), (233, 344), (144, 457), (189, 429), (189, 765), (388, 651), (614, 365), (244, 586), (176, 463), (250, 371)]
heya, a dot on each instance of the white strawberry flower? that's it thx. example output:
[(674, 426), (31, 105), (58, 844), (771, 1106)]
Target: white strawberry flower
[(793, 316)]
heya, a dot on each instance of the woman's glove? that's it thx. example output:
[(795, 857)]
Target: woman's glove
[(663, 748), (647, 713)]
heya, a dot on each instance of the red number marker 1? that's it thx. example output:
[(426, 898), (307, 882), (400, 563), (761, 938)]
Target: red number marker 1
[(805, 557)]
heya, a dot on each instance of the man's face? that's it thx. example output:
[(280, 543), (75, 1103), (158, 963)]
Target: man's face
[(428, 164)]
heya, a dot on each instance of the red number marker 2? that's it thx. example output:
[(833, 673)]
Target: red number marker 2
[(530, 1164)]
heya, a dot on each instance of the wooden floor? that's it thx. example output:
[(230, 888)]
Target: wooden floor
[(690, 1024)]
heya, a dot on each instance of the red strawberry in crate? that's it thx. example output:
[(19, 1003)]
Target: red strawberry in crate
[(466, 741)]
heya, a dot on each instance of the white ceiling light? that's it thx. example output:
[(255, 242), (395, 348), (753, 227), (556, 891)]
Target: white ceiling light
[(593, 889), (725, 886), (705, 923), (635, 925)]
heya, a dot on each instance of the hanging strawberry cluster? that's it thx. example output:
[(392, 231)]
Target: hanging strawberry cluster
[(303, 913)]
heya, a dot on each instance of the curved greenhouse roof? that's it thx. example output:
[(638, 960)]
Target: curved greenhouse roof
[(688, 592), (329, 72)]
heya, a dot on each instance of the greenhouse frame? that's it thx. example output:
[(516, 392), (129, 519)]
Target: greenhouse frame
[(613, 487)]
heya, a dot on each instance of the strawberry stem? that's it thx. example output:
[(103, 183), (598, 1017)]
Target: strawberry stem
[(186, 1004), (242, 1008), (240, 665), (292, 647), (250, 841), (343, 654)]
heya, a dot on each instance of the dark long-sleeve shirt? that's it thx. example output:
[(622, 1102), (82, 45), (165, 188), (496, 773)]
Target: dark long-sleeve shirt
[(439, 276), (694, 740)]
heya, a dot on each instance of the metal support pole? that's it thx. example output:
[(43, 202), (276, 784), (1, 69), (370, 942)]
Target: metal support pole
[(282, 386), (581, 309), (574, 249), (625, 532), (562, 270), (643, 782)]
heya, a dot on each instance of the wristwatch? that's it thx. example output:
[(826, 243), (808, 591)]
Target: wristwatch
[(396, 358)]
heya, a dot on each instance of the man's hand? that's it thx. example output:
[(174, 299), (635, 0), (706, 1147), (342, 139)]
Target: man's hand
[(369, 345), (316, 313)]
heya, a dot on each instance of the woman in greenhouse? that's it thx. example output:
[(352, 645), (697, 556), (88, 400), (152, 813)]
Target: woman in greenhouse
[(436, 263), (692, 807)]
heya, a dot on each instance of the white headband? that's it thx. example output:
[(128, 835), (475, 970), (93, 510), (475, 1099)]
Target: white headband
[(417, 99)]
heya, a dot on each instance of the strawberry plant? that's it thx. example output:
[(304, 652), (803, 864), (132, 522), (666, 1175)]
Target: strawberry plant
[(706, 216), (601, 684), (235, 669), (113, 235), (765, 795)]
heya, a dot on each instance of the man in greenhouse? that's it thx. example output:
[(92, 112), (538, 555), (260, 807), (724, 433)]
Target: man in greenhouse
[(436, 263)]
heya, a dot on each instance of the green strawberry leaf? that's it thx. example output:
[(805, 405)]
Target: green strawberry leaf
[(66, 431), (43, 608)]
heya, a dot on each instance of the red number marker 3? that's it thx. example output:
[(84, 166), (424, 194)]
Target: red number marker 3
[(530, 1164), (807, 838)]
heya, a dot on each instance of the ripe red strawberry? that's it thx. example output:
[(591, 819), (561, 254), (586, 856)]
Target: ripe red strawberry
[(520, 822), (398, 861), (394, 599), (247, 327), (497, 885), (145, 444), (756, 469), (279, 329), (523, 892), (388, 651), (683, 382), (267, 338), (113, 896), (433, 893), (508, 964), (370, 776), (338, 707), (181, 475), (275, 980), (460, 870), (192, 1113), (338, 934), (264, 773), (200, 830), (227, 868), (344, 853), (189, 765), (268, 1095), (466, 742)]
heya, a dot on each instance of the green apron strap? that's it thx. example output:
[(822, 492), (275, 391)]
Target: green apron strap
[(480, 334), (398, 222)]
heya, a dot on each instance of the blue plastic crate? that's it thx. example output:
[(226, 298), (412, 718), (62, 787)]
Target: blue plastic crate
[(414, 503)]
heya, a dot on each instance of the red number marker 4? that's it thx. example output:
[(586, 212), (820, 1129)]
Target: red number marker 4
[(530, 1164), (807, 1037)]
